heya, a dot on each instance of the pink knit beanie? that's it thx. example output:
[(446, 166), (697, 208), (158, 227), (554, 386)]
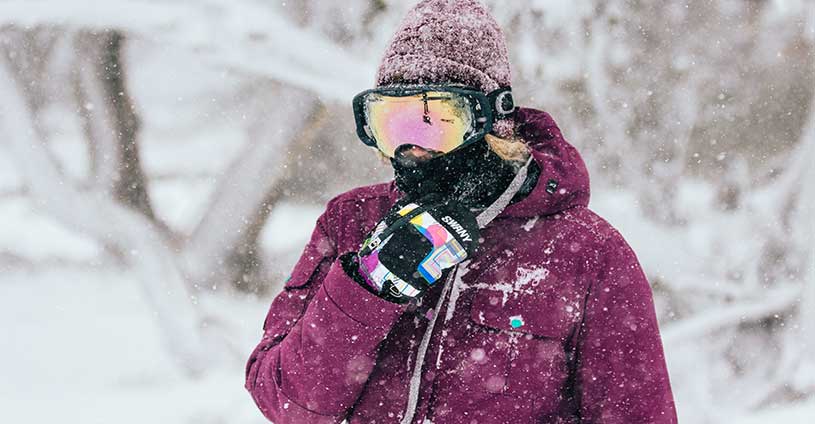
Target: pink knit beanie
[(449, 41)]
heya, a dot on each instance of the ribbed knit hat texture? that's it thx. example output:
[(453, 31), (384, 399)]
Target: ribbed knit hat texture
[(449, 41)]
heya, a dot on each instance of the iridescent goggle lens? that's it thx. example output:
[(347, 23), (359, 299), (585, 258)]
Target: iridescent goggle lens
[(434, 120)]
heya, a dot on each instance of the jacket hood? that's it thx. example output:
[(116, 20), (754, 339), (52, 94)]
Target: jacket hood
[(564, 180)]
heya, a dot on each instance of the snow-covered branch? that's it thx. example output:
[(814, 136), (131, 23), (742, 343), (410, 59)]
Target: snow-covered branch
[(805, 226), (244, 190), (241, 36), (728, 316)]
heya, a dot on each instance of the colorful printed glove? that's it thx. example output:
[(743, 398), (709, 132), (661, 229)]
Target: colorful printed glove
[(414, 246)]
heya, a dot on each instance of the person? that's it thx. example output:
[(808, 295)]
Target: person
[(476, 286)]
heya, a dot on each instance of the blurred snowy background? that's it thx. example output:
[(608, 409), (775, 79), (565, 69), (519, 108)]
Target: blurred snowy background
[(162, 164)]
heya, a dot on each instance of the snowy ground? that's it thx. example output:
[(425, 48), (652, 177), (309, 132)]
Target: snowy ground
[(80, 344), (80, 347)]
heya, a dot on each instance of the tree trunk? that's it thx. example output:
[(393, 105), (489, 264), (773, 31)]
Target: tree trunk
[(109, 119)]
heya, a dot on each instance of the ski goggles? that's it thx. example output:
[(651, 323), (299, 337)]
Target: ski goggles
[(440, 118)]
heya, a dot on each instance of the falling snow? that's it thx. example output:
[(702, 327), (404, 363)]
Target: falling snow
[(694, 120)]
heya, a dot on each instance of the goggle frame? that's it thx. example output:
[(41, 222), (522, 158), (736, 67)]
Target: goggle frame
[(486, 108)]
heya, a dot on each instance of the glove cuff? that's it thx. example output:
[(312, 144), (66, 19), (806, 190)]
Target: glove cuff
[(350, 264)]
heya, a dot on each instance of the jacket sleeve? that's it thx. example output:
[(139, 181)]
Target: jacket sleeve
[(320, 339), (621, 375)]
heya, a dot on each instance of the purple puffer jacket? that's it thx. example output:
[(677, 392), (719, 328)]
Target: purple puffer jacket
[(552, 322)]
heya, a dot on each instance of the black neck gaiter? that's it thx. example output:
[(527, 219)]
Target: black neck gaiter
[(474, 175)]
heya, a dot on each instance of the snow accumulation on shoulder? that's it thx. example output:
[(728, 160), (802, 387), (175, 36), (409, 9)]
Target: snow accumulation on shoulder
[(529, 224)]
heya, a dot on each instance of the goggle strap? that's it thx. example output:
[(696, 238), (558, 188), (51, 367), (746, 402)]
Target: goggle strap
[(502, 102)]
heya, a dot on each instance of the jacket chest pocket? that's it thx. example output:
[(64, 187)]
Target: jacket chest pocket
[(527, 335)]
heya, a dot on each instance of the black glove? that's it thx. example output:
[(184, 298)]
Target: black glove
[(413, 247)]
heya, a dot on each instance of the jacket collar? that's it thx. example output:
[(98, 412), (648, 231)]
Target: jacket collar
[(564, 179)]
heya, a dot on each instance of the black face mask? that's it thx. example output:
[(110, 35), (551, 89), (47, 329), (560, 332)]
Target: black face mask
[(474, 175)]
